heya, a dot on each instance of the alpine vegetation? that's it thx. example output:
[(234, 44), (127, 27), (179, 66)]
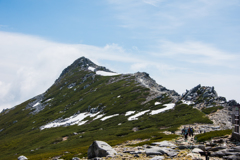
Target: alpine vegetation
[(92, 105)]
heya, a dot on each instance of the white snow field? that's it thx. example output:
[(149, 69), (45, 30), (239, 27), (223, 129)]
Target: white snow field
[(135, 117), (128, 113), (78, 118), (107, 117), (168, 106), (75, 119), (102, 73)]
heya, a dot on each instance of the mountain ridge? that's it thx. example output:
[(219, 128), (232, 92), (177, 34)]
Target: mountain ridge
[(89, 102)]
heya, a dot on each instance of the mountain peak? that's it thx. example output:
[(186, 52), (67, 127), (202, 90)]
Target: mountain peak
[(83, 64)]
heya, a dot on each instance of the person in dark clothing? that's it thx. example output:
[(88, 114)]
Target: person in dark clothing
[(191, 131), (185, 133)]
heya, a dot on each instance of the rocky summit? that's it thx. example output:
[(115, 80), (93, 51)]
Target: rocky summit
[(93, 112)]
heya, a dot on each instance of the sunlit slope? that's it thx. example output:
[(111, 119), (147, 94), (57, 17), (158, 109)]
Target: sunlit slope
[(83, 106)]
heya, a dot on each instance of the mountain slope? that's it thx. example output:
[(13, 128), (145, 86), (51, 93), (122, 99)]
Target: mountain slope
[(89, 102)]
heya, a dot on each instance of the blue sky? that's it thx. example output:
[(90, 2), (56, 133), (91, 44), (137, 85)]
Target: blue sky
[(179, 43)]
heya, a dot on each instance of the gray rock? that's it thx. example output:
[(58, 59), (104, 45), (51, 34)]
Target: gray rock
[(202, 147), (183, 147), (217, 148), (158, 158), (218, 140), (94, 110), (136, 155), (100, 149), (22, 158), (222, 153), (232, 157), (96, 158), (164, 144), (237, 148), (153, 151), (170, 152), (75, 158), (232, 103), (197, 150)]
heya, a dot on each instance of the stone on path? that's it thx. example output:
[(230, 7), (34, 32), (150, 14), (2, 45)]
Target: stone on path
[(197, 150), (160, 151), (158, 158), (153, 151), (100, 149)]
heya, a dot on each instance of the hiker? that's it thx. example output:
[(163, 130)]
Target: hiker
[(191, 130), (183, 131), (186, 133)]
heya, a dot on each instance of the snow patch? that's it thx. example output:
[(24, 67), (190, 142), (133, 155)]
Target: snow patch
[(128, 113), (107, 117), (187, 102), (135, 117), (49, 100), (91, 68), (99, 116), (168, 106), (36, 104), (119, 96), (75, 119), (103, 73), (157, 103)]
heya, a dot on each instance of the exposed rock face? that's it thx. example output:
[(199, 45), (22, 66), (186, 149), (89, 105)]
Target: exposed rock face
[(202, 95), (36, 106), (22, 158), (100, 149), (145, 80)]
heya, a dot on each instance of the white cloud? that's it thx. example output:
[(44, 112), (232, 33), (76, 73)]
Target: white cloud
[(196, 52), (166, 15), (29, 65)]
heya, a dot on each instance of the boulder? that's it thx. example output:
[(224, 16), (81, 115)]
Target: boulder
[(100, 149), (237, 148), (22, 158), (202, 147), (170, 152), (158, 158), (220, 153), (232, 157), (197, 150), (75, 158), (153, 151)]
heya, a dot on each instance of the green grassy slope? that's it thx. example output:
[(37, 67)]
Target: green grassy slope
[(25, 137)]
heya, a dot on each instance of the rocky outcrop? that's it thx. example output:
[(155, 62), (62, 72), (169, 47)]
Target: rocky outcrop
[(157, 90), (100, 149), (36, 106)]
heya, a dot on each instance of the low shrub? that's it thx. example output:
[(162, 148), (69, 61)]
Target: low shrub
[(207, 136), (211, 109)]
